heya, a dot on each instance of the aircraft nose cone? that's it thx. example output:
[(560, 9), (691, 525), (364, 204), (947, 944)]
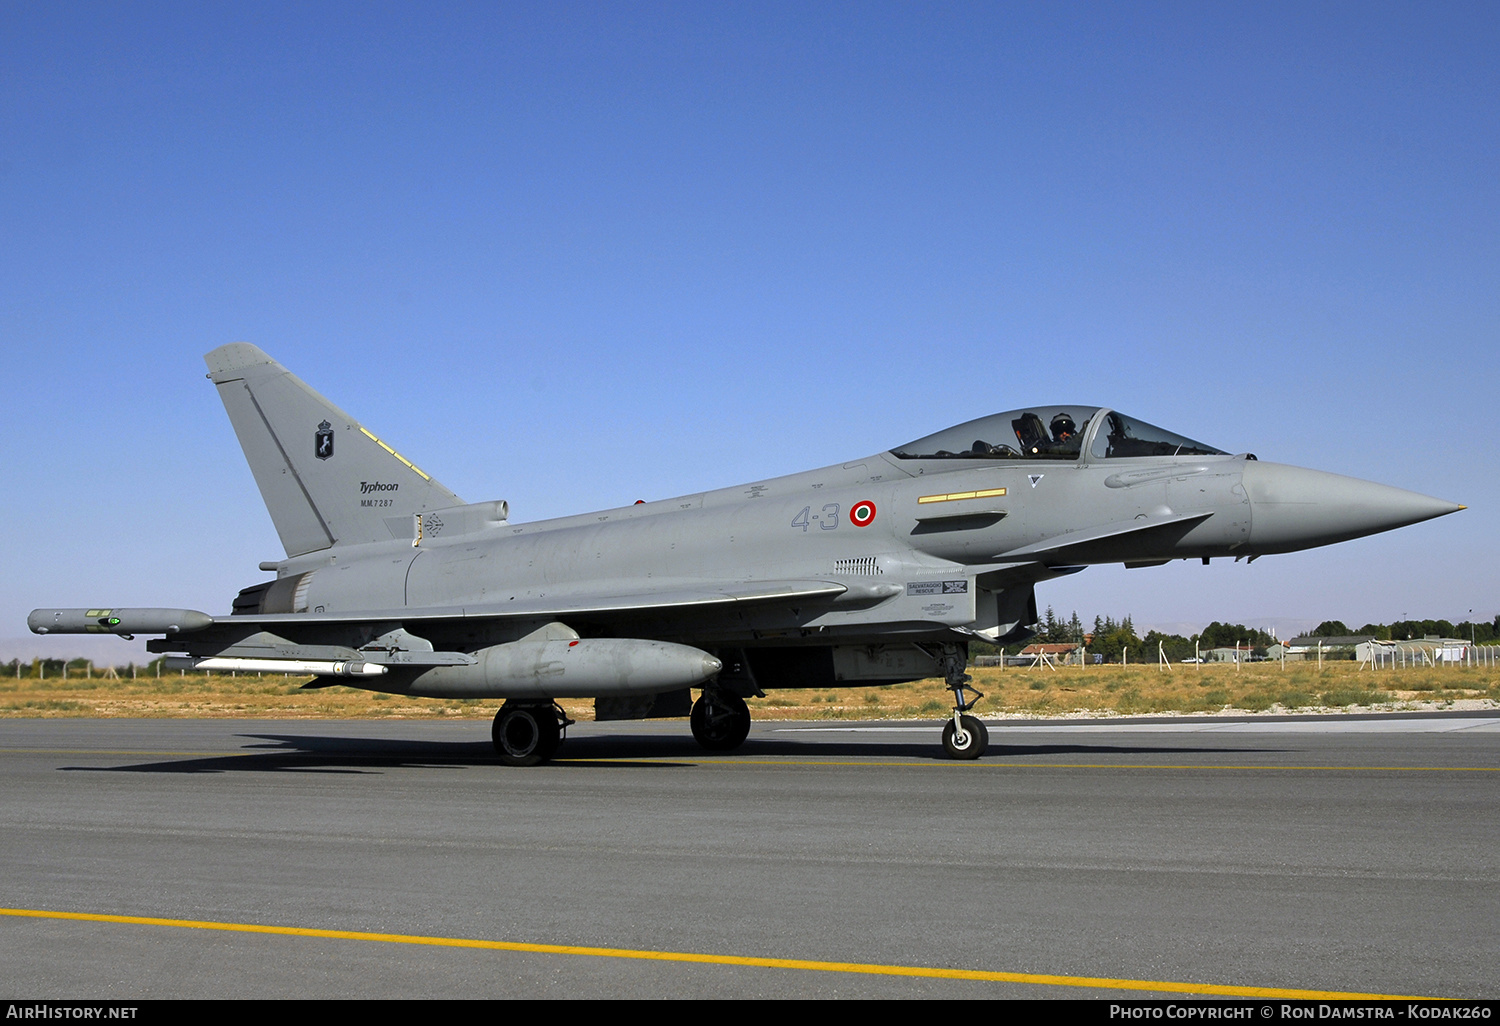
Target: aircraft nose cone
[(1293, 508)]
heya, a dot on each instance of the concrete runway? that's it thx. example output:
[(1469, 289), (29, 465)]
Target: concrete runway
[(1329, 854)]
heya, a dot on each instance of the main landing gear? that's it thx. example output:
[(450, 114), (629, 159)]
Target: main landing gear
[(527, 733), (720, 719), (964, 737)]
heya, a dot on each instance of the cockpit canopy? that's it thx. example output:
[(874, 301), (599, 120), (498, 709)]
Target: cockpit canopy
[(1052, 433)]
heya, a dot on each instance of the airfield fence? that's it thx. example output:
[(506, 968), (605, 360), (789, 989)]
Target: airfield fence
[(1405, 655)]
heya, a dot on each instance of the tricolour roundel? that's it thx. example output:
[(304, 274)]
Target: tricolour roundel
[(862, 513)]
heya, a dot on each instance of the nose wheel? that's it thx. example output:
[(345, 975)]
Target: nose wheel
[(720, 720), (964, 737), (528, 734)]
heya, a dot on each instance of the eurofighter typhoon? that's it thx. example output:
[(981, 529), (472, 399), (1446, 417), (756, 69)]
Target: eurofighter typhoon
[(876, 571)]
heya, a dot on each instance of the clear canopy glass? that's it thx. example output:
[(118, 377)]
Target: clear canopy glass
[(1120, 436), (1038, 433), (1052, 433)]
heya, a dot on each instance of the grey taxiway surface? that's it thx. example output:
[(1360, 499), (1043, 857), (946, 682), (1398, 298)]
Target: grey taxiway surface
[(1334, 854)]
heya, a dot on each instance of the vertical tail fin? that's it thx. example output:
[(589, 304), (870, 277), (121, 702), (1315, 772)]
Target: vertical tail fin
[(325, 479)]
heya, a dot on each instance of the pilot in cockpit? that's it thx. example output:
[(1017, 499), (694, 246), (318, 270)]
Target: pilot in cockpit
[(1063, 428)]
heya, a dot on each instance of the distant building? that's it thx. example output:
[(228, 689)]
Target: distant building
[(1062, 655), (1308, 647), (1242, 654)]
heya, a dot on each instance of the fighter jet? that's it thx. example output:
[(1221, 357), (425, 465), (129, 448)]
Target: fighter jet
[(876, 571)]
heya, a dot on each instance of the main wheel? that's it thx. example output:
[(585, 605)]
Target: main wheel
[(525, 734), (721, 720), (968, 744)]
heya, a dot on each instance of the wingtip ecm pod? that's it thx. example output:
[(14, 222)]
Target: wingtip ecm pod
[(121, 621)]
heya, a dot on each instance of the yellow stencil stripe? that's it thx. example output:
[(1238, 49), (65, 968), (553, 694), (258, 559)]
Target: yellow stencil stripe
[(409, 464), (928, 972), (987, 493)]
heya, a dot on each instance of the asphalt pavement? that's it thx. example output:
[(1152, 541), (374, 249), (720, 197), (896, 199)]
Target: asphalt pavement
[(1115, 858)]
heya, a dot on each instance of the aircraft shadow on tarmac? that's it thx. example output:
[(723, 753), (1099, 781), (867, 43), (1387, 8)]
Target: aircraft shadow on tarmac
[(314, 753)]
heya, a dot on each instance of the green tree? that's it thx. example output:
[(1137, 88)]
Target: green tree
[(1116, 639), (1053, 630), (1174, 646)]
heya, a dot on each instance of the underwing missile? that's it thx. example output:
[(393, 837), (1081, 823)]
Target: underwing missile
[(318, 667)]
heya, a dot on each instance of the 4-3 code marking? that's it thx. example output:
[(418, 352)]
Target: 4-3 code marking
[(827, 520)]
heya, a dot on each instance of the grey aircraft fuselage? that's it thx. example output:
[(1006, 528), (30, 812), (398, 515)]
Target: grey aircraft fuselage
[(870, 572)]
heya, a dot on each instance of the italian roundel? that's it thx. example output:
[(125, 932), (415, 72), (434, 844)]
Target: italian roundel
[(862, 513)]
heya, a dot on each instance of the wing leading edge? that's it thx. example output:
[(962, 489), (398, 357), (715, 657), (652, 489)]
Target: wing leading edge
[(171, 621)]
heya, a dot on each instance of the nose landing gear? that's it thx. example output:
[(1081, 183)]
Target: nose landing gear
[(964, 737)]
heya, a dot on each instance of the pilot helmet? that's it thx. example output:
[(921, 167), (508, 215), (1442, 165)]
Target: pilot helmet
[(1063, 427)]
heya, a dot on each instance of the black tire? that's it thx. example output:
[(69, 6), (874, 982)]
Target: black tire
[(525, 735), (972, 745), (720, 720)]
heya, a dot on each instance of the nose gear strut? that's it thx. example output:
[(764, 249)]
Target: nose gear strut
[(964, 737)]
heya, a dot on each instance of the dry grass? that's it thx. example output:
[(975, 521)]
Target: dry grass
[(1100, 690), (249, 696), (1133, 690)]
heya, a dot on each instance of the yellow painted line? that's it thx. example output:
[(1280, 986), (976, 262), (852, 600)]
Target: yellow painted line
[(409, 464), (1251, 766), (870, 969), (987, 493)]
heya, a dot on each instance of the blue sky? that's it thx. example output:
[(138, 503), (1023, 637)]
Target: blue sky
[(572, 255)]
